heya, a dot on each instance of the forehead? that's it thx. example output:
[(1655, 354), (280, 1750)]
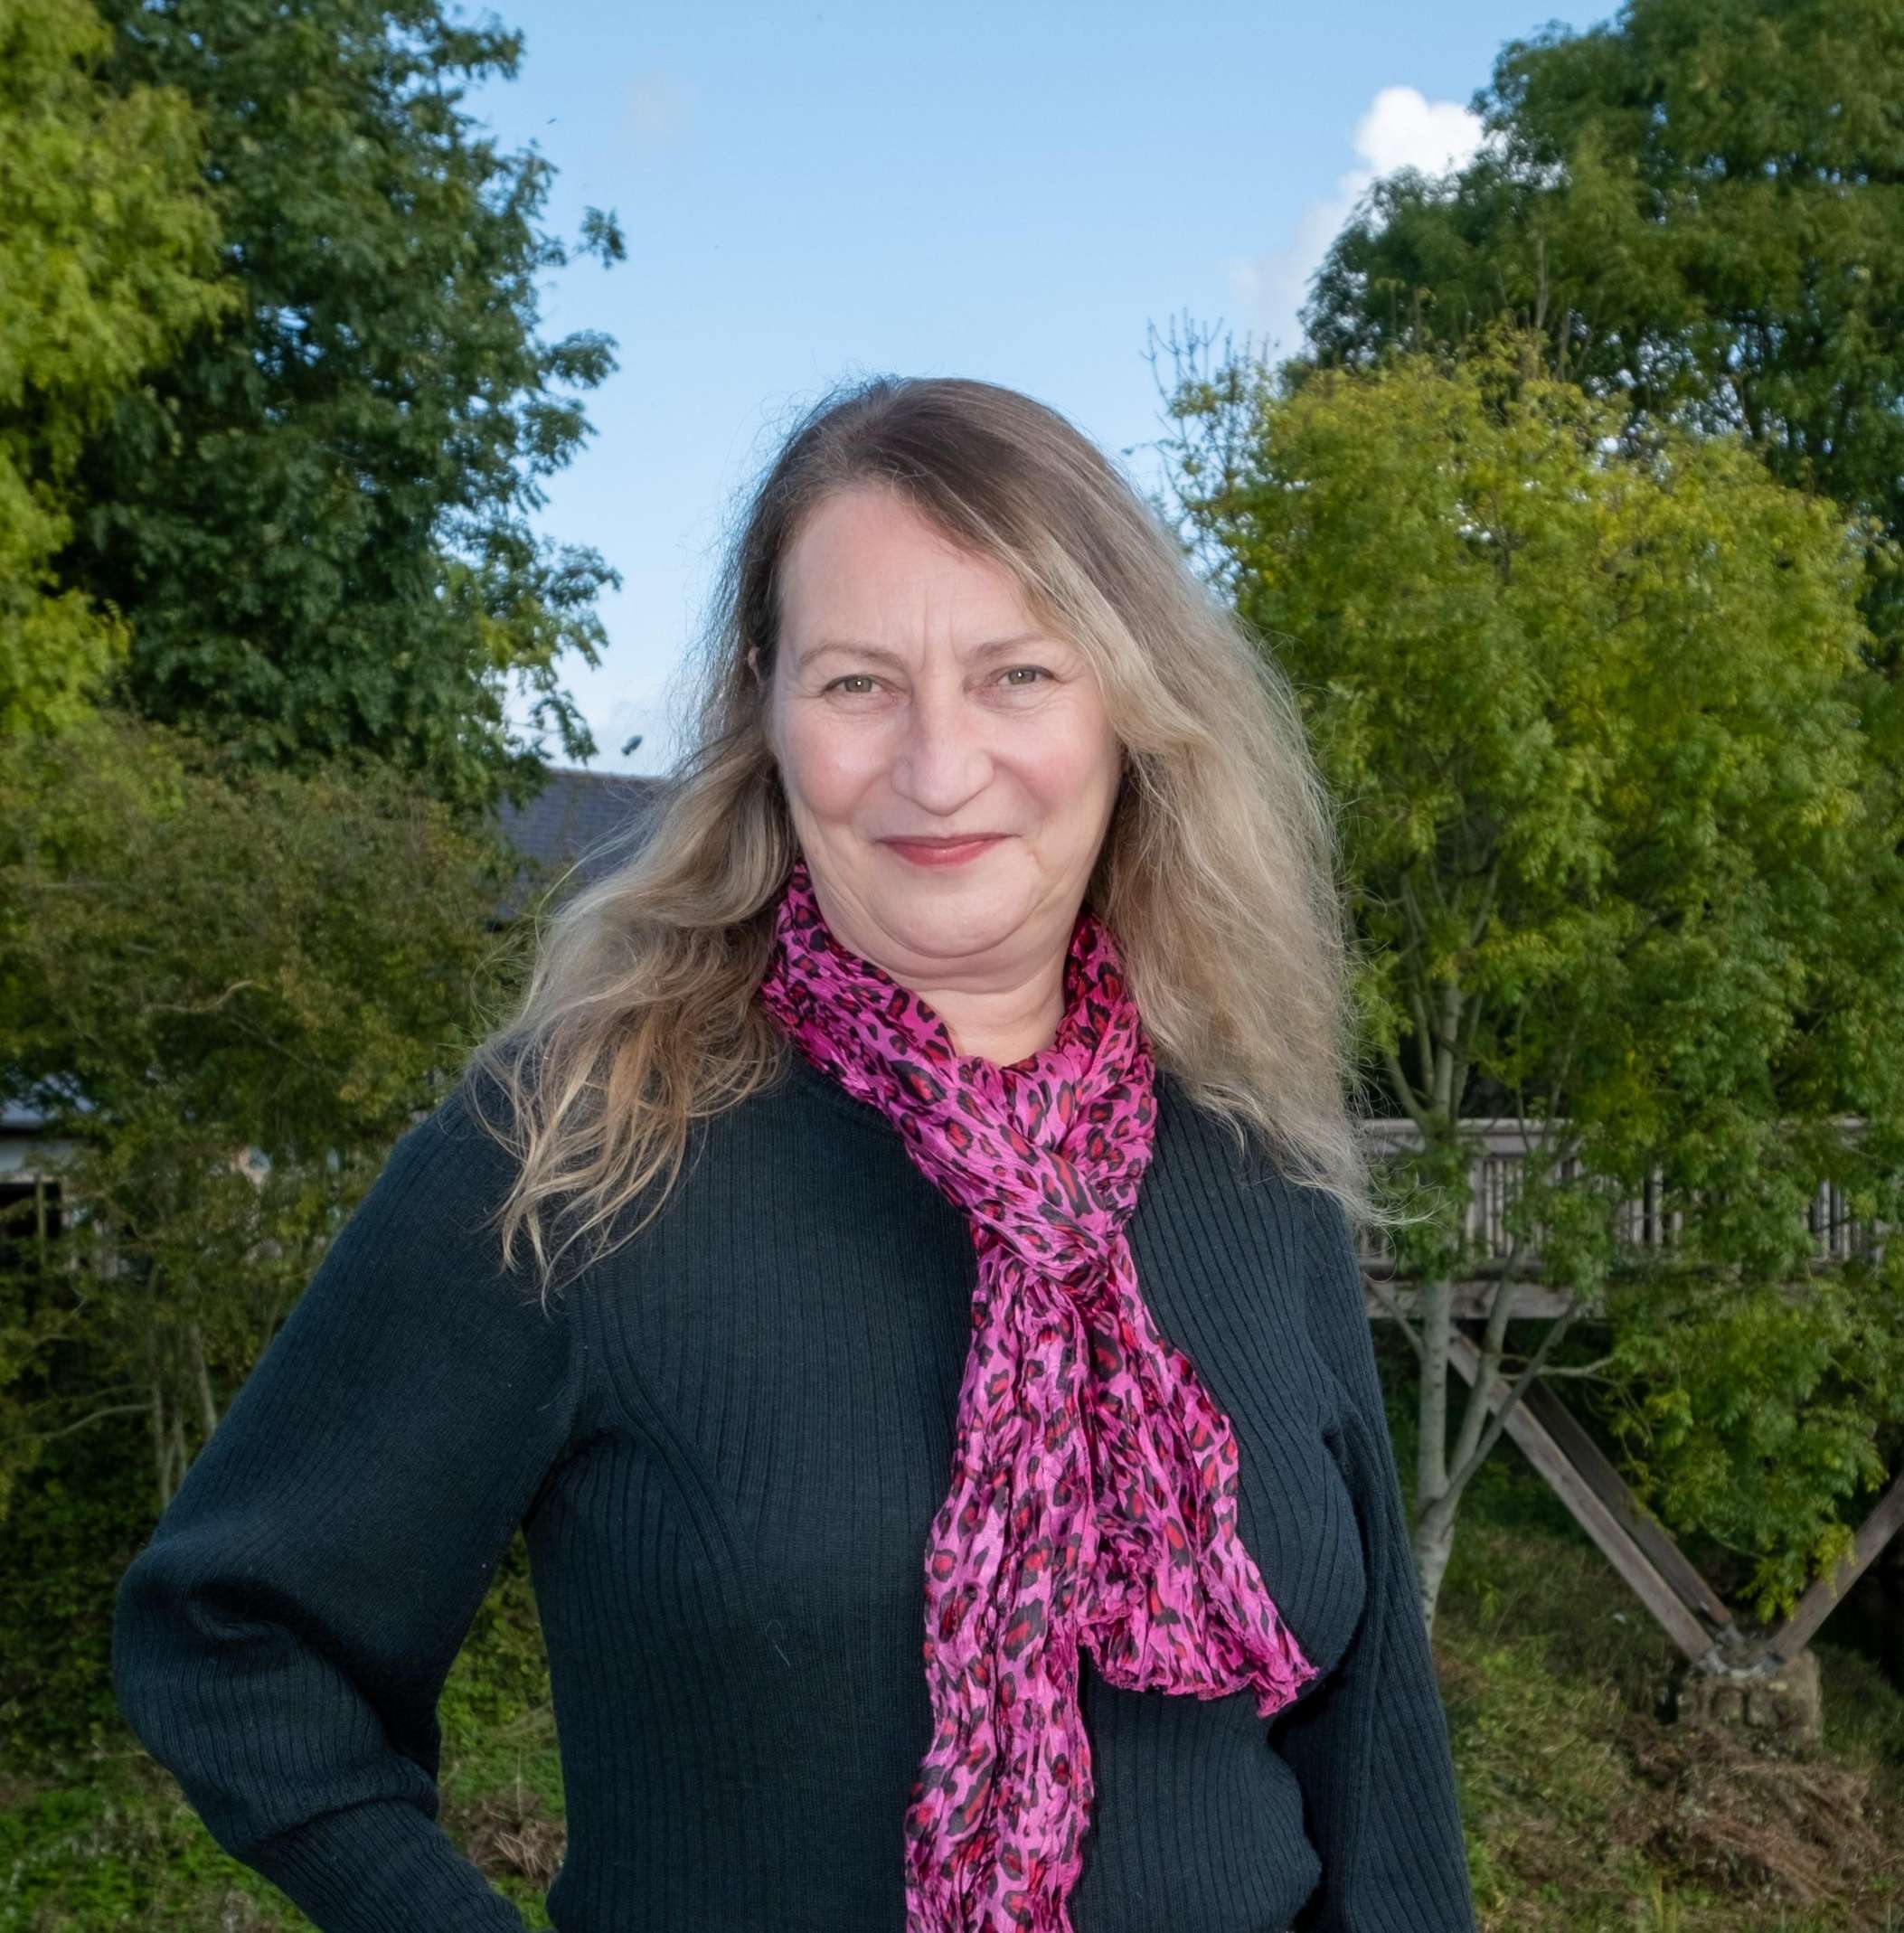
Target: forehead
[(864, 566)]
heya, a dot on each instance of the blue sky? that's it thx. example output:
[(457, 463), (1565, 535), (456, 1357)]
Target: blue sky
[(814, 194)]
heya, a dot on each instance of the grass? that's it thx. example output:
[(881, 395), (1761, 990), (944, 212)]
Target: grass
[(1584, 1809)]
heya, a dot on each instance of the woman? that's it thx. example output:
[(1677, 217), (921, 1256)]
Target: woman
[(953, 1470)]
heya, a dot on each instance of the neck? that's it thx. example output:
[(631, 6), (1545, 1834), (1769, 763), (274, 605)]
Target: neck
[(1003, 1026), (1003, 1010)]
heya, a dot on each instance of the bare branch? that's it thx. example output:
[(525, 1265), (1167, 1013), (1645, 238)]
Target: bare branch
[(1404, 1092), (1494, 1336), (1383, 1295), (142, 1408), (1581, 1369), (1525, 1380)]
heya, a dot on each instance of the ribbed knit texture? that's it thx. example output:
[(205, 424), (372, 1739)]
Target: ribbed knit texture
[(725, 1443)]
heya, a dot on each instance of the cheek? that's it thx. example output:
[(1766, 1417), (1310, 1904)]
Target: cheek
[(828, 769), (1067, 768)]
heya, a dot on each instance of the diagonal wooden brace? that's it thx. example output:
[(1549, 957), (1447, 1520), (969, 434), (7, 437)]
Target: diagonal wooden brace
[(1824, 1596), (1681, 1601)]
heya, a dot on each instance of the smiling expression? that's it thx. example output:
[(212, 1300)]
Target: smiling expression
[(915, 694)]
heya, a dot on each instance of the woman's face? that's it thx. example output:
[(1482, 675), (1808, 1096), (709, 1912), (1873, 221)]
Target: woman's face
[(914, 694)]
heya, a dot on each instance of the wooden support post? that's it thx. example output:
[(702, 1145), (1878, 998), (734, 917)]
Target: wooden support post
[(1679, 1619), (1692, 1614), (1665, 1556), (1818, 1603)]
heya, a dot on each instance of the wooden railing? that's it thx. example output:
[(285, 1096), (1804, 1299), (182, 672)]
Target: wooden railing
[(1502, 1150)]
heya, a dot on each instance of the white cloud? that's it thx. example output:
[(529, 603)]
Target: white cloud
[(1401, 129)]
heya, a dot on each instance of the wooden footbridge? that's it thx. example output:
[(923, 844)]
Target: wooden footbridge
[(1634, 1540)]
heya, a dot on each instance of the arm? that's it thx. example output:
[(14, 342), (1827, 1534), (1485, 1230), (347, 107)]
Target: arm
[(1369, 1749), (281, 1643)]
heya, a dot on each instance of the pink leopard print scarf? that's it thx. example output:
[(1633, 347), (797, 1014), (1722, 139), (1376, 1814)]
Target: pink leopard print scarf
[(1093, 1486)]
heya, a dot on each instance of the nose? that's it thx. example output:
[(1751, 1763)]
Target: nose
[(942, 756)]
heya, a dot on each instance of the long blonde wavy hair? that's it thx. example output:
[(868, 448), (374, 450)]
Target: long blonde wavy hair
[(1218, 875)]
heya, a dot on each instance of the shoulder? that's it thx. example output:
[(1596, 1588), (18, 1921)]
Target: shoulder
[(452, 1158), (425, 1236), (1224, 1151), (1215, 1184)]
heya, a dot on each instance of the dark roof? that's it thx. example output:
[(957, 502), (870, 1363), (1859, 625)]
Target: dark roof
[(574, 820)]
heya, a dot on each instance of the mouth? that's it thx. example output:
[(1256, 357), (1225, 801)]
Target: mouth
[(943, 852), (944, 840)]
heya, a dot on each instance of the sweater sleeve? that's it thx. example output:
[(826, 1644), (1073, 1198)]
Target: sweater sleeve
[(281, 1643), (1370, 1748)]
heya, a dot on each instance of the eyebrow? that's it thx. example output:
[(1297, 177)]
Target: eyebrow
[(880, 654)]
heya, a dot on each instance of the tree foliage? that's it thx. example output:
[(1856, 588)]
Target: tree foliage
[(227, 990), (107, 257), (315, 516), (1702, 201), (1591, 695)]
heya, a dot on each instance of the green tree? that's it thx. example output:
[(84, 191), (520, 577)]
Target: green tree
[(1591, 699), (106, 256), (229, 988), (1701, 202), (315, 516)]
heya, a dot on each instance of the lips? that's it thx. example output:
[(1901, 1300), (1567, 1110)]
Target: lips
[(941, 851), (965, 839), (933, 853)]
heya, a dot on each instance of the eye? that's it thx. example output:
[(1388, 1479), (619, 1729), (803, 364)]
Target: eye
[(853, 677)]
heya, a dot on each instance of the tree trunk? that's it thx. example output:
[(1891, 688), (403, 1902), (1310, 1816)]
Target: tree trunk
[(202, 1381), (1434, 1537), (1434, 1544)]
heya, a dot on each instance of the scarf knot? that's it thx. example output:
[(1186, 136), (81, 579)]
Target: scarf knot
[(1092, 1499)]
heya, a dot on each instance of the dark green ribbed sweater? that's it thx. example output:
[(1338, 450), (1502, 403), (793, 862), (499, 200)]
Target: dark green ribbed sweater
[(725, 1443)]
